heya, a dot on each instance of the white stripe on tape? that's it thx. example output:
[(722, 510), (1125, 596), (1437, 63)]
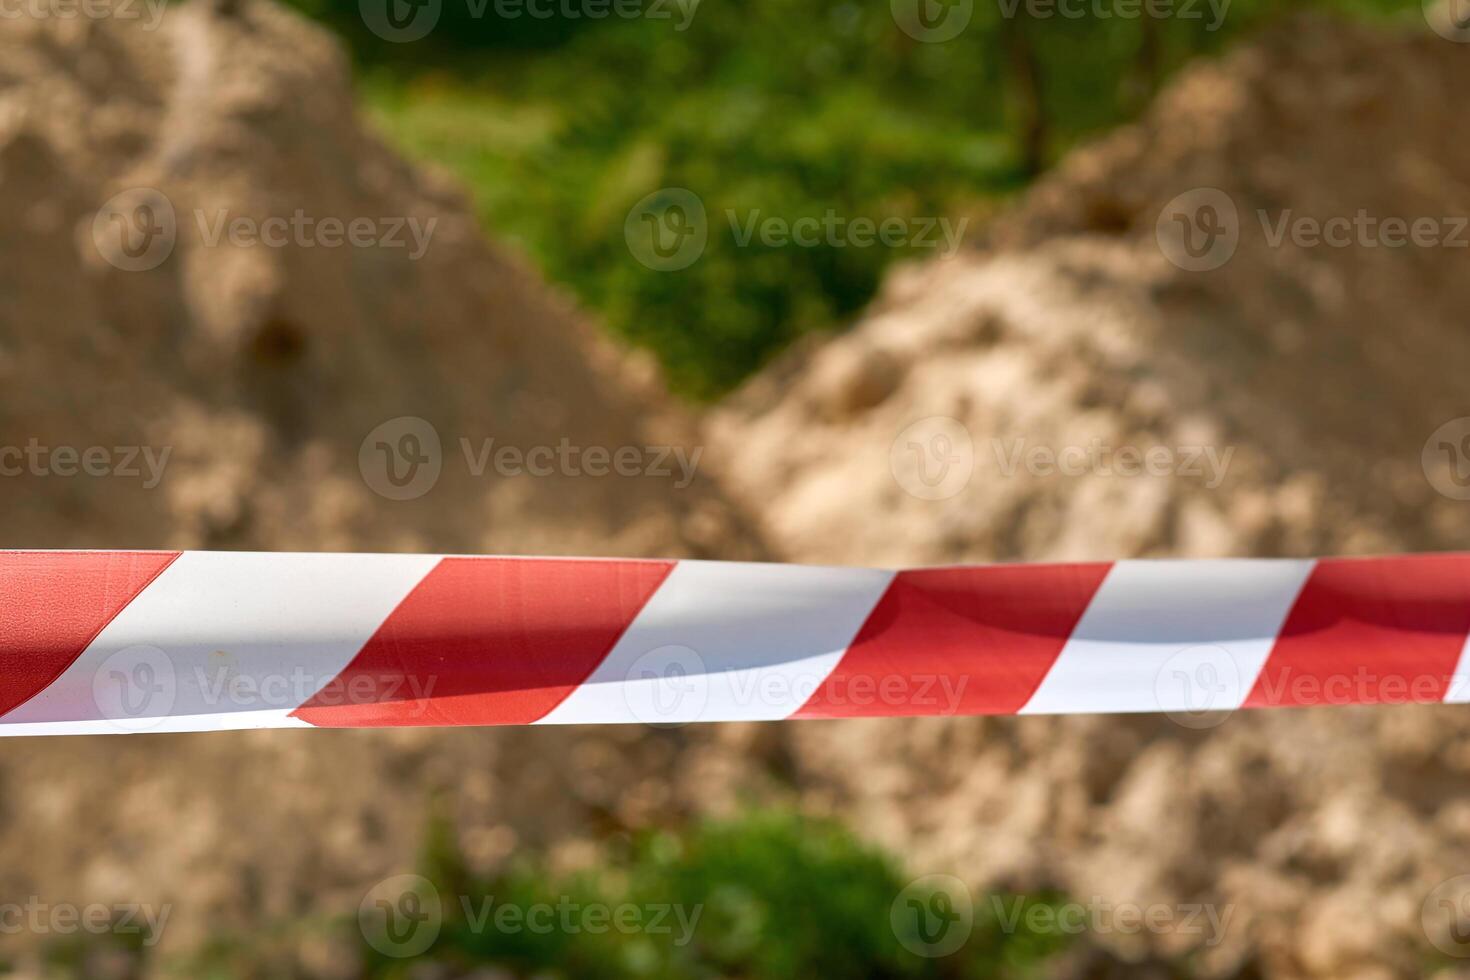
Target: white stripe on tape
[(1458, 691), (726, 641), (1172, 636), (225, 640)]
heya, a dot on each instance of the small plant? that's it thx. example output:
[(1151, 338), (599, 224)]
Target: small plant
[(769, 895)]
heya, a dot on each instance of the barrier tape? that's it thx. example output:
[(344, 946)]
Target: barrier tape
[(96, 641)]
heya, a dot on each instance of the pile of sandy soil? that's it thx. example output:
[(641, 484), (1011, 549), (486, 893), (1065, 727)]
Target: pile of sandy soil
[(1322, 371), (262, 371)]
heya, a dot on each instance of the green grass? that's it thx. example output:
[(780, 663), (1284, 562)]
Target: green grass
[(768, 895), (547, 182), (789, 108)]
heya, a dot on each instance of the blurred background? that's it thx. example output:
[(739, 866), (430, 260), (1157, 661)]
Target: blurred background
[(867, 283)]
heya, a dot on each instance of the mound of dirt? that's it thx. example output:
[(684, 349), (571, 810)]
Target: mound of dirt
[(151, 301), (1004, 405), (241, 393)]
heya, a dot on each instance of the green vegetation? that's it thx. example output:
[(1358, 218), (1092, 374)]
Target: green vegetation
[(781, 108), (766, 896)]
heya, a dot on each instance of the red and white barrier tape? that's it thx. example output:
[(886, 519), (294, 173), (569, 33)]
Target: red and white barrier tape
[(94, 642)]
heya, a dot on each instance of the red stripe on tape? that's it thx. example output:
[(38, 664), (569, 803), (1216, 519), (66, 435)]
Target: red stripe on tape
[(488, 641), (54, 603), (1370, 631), (958, 641)]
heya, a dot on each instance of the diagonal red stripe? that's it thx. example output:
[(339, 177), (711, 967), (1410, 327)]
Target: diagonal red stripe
[(54, 603), (963, 641), (488, 641), (1370, 631)]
